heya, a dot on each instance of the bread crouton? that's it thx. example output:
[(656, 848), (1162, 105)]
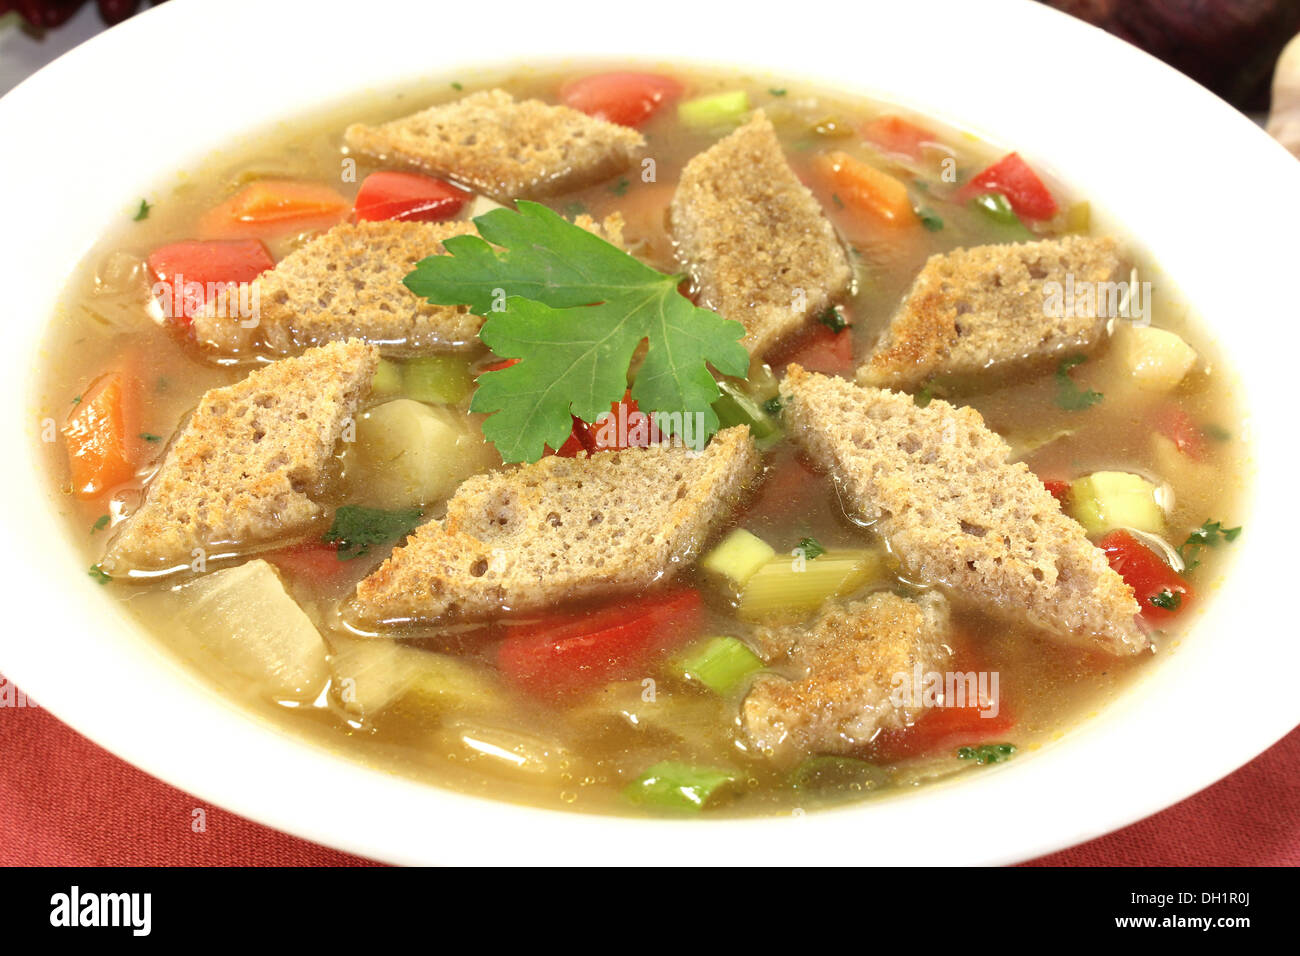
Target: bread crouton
[(241, 472), (506, 149), (986, 308), (939, 486), (347, 283), (845, 666), (562, 529), (756, 241)]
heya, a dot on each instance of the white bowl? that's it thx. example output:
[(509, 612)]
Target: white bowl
[(1193, 180)]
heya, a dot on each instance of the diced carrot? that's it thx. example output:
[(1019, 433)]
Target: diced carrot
[(896, 135), (189, 270), (274, 207), (865, 190), (316, 563), (102, 435)]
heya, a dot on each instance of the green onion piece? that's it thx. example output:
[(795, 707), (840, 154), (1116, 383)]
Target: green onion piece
[(437, 379), (837, 773), (722, 664), (996, 207), (677, 786)]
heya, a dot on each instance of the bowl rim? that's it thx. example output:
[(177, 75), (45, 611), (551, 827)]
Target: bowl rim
[(99, 674)]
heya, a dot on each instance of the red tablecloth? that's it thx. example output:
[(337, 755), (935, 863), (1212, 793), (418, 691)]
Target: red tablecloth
[(63, 800)]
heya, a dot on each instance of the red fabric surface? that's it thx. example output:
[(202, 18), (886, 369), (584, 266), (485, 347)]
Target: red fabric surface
[(64, 801)]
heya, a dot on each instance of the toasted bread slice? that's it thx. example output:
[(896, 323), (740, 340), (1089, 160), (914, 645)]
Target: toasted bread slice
[(940, 488), (241, 472), (990, 309), (504, 148), (756, 241), (844, 668), (562, 529), (347, 283)]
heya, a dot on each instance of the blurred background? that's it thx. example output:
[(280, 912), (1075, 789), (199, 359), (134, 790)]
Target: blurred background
[(1230, 46)]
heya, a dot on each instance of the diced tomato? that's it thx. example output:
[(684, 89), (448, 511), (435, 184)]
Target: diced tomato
[(865, 190), (944, 729), (896, 135), (1148, 575), (1172, 421), (414, 197), (578, 650), (188, 271), (1013, 178), (628, 99), (318, 563), (272, 207), (824, 350), (1059, 487), (625, 427), (102, 435)]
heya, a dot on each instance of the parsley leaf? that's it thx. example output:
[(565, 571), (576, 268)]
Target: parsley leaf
[(1167, 599), (777, 91), (356, 529), (100, 523), (987, 753), (574, 309), (932, 221), (773, 405), (834, 320), (143, 212), (811, 547), (620, 188), (99, 574), (1068, 395), (1208, 535)]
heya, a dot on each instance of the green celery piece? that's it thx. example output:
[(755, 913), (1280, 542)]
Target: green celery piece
[(388, 378), (437, 379), (573, 309), (677, 786), (717, 109), (719, 663), (735, 407), (996, 207)]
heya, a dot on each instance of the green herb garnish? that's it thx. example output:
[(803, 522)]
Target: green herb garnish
[(99, 574), (149, 436), (76, 400), (143, 212), (929, 218), (833, 320), (1068, 395), (987, 753), (1167, 599), (1207, 535), (574, 309), (811, 548), (356, 529), (456, 85), (838, 201), (924, 396), (777, 91), (100, 524), (620, 188), (773, 405)]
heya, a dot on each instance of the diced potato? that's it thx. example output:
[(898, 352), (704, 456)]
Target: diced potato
[(738, 556), (1157, 359), (371, 673), (244, 617), (787, 587), (407, 453), (480, 205), (1106, 500)]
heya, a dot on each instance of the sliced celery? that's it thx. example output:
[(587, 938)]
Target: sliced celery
[(1106, 500), (738, 556), (245, 618), (736, 407), (722, 664), (717, 109), (387, 380), (439, 379), (793, 587), (678, 786)]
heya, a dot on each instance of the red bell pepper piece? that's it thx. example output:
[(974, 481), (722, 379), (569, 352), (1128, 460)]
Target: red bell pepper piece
[(1059, 487), (1148, 575), (628, 99), (188, 271), (896, 135), (824, 350), (1013, 178), (317, 563), (411, 197), (579, 650), (1175, 424)]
